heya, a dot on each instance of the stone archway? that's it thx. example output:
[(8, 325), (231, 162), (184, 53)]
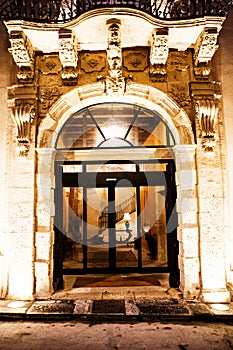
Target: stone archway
[(184, 151)]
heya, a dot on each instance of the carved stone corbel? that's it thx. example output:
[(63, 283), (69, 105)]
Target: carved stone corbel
[(23, 114), (207, 112), (159, 53), (68, 54), (204, 51), (22, 52), (115, 82)]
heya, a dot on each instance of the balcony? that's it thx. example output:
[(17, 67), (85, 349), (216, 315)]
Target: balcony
[(61, 11)]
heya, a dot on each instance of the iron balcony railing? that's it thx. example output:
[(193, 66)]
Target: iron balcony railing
[(55, 11)]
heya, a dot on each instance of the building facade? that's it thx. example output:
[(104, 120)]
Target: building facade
[(116, 144)]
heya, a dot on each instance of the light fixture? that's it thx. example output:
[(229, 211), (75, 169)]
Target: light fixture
[(146, 228), (16, 304), (113, 128), (220, 307)]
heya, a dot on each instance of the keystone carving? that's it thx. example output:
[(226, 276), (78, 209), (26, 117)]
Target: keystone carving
[(204, 51), (67, 46), (22, 53), (23, 116), (115, 83), (207, 112), (159, 52)]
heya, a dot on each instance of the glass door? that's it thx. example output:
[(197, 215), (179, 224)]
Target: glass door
[(114, 222)]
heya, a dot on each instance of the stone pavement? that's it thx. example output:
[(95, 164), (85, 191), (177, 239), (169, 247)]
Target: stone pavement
[(116, 304)]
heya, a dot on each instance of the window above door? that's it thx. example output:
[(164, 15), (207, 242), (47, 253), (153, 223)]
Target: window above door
[(114, 125)]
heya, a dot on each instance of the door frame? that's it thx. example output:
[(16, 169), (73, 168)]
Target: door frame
[(99, 180)]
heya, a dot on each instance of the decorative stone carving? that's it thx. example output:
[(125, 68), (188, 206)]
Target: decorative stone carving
[(180, 93), (136, 61), (202, 70), (159, 47), (159, 52), (204, 51), (178, 61), (92, 62), (206, 112), (68, 55), (115, 83), (23, 115), (48, 95), (67, 46), (69, 76), (49, 64), (22, 53)]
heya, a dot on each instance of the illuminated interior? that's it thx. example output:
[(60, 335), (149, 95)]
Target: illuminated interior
[(108, 123), (114, 212)]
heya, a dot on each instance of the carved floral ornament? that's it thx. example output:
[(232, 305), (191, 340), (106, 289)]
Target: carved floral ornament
[(68, 55), (22, 53), (159, 47), (207, 112), (205, 50), (23, 115), (159, 52)]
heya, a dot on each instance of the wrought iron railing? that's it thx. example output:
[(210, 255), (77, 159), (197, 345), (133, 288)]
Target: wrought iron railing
[(65, 10)]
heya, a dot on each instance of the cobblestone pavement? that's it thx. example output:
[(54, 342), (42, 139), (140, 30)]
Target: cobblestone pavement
[(114, 336)]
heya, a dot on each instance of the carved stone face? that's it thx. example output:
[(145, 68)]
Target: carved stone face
[(113, 32)]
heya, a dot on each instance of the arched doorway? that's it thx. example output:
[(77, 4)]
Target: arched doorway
[(180, 127), (115, 193)]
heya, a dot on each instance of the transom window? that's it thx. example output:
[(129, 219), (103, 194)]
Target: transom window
[(114, 125)]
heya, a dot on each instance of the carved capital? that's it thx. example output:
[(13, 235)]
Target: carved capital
[(115, 83), (207, 112), (22, 52), (23, 114), (159, 47), (204, 51)]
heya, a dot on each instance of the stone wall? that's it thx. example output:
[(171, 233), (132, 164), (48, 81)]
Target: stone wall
[(225, 73), (47, 92), (5, 62)]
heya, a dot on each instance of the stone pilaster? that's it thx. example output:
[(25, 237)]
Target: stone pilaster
[(187, 220), (20, 238), (44, 222), (212, 226)]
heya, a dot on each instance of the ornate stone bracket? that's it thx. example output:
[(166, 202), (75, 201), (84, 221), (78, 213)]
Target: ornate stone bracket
[(204, 51), (22, 52), (68, 56), (115, 82), (159, 53), (207, 112), (23, 115)]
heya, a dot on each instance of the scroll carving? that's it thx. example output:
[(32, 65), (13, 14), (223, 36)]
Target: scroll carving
[(204, 51), (23, 115), (207, 112), (159, 53), (22, 53), (68, 56), (115, 83)]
